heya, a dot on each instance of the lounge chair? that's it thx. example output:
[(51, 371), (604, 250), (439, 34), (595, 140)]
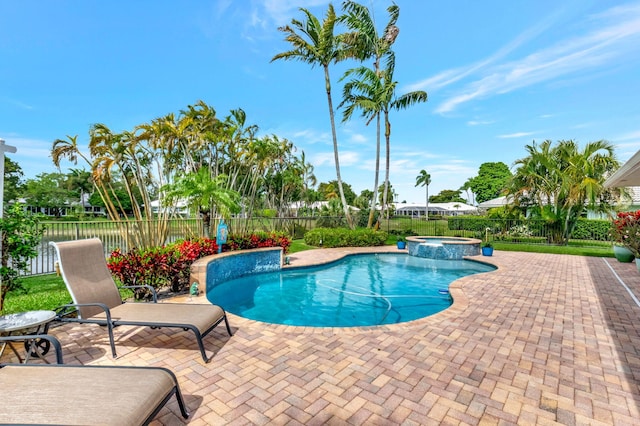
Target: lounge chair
[(83, 395), (96, 298)]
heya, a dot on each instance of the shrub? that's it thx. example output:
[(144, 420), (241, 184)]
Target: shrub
[(258, 240), (591, 229), (170, 266), (341, 237)]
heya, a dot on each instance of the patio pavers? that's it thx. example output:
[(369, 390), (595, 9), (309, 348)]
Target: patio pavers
[(545, 339)]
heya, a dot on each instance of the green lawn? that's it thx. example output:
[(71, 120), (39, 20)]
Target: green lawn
[(49, 292)]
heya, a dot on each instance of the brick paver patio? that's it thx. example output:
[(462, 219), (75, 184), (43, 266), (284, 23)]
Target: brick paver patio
[(545, 339)]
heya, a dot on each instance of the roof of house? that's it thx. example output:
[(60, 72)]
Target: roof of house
[(627, 175)]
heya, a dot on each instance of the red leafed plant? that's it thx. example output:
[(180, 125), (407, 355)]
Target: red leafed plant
[(170, 266), (626, 231)]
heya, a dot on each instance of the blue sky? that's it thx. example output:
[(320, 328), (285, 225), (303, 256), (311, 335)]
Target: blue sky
[(499, 76)]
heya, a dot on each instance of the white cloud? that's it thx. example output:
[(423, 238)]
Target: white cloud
[(479, 122), (347, 158), (614, 34), (629, 136), (308, 136), (516, 135)]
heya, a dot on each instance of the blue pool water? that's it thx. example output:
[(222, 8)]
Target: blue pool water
[(359, 290)]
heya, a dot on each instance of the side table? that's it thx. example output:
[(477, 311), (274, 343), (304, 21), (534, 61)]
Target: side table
[(24, 323)]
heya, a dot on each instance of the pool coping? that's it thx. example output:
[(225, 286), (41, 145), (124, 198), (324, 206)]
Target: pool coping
[(324, 256)]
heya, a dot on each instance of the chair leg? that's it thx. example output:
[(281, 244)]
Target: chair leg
[(183, 408), (111, 339), (201, 345), (226, 322)]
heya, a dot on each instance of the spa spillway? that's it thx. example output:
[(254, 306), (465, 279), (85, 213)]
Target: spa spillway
[(446, 248)]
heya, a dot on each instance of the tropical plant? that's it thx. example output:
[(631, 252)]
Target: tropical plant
[(20, 234), (314, 43), (202, 192), (170, 266), (373, 90), (424, 179), (626, 231), (558, 183)]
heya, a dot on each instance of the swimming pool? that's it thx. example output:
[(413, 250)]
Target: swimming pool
[(359, 290)]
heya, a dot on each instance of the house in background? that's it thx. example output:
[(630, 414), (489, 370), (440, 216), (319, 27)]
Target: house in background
[(435, 209)]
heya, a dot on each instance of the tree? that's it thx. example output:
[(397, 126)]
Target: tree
[(424, 179), (202, 191), (80, 180), (48, 190), (363, 201), (491, 181), (315, 43), (13, 185), (326, 188), (447, 196), (373, 90), (20, 233), (560, 182)]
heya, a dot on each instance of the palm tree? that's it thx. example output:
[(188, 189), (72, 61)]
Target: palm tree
[(201, 191), (379, 96), (315, 43), (366, 94), (80, 180), (424, 179), (562, 180)]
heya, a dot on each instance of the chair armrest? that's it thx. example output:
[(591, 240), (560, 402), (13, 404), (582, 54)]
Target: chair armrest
[(63, 311), (51, 339), (153, 290)]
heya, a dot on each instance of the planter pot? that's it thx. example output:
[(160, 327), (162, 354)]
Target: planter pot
[(401, 245), (487, 251), (623, 254)]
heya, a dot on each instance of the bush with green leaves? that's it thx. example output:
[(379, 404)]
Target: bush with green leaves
[(592, 229), (342, 237), (170, 266), (21, 233)]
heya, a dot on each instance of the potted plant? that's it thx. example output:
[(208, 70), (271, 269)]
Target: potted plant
[(621, 253), (402, 243), (626, 234), (487, 248)]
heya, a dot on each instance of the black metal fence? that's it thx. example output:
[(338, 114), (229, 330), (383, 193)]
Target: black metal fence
[(114, 235)]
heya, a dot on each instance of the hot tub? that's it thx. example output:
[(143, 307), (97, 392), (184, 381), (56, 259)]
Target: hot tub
[(447, 248)]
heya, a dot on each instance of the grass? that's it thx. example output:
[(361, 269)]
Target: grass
[(40, 292), (48, 291)]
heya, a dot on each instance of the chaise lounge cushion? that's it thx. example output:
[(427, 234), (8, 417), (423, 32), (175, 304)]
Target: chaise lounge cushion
[(74, 395)]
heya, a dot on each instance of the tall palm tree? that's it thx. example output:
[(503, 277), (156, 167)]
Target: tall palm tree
[(315, 43), (364, 42), (365, 92), (424, 179)]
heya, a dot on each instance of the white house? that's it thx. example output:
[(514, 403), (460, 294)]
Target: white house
[(441, 209)]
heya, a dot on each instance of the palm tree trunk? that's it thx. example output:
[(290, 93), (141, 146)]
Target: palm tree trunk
[(335, 148), (387, 137), (377, 172), (426, 209)]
